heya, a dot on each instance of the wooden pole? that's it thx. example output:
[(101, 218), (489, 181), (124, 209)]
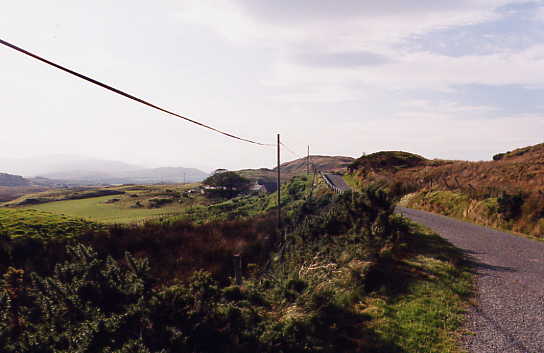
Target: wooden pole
[(308, 162), (237, 262), (279, 186)]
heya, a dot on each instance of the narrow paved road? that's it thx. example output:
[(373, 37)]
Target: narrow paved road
[(337, 181), (509, 316)]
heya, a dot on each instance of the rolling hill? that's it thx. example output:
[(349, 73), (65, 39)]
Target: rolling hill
[(321, 163), (506, 192), (138, 176), (77, 171), (297, 167), (13, 180)]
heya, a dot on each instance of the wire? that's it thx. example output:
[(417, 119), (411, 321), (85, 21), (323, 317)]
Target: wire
[(118, 91), (291, 151), (298, 156)]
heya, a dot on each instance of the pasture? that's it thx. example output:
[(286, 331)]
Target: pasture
[(97, 209), (137, 204)]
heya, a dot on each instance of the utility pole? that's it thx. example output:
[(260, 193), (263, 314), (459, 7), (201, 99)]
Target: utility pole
[(279, 186), (308, 162)]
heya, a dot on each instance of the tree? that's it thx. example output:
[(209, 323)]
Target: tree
[(226, 184)]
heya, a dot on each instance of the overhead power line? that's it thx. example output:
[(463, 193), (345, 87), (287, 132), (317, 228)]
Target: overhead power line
[(118, 91), (290, 150), (297, 155)]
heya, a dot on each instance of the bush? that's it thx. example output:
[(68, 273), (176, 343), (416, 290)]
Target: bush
[(499, 156), (303, 301), (510, 205), (226, 184)]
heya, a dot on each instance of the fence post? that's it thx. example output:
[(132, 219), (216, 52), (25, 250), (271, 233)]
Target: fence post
[(237, 261)]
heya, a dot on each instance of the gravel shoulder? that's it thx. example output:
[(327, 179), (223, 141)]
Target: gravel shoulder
[(509, 315)]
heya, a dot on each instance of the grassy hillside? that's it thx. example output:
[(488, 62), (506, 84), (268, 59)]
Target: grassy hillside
[(386, 161), (263, 175), (13, 180), (293, 193), (22, 223), (124, 204), (507, 192), (101, 209), (140, 203), (297, 167), (53, 195), (8, 193), (521, 154), (321, 163)]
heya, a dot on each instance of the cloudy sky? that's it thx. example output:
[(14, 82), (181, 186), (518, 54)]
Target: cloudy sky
[(457, 79)]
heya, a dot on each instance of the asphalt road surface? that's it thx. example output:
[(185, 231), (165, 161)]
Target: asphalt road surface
[(338, 181), (509, 315)]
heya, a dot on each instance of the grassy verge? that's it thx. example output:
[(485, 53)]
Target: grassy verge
[(420, 306), (352, 181), (485, 212)]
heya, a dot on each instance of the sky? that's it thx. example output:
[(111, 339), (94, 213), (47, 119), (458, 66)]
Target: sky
[(457, 79)]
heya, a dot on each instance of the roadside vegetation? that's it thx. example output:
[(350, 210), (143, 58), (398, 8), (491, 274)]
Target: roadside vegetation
[(345, 275), (506, 193)]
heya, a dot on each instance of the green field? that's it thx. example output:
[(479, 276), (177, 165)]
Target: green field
[(97, 209), (16, 223), (132, 204)]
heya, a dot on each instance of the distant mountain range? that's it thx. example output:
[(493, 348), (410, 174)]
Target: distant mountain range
[(71, 170), (13, 180), (138, 176), (58, 171)]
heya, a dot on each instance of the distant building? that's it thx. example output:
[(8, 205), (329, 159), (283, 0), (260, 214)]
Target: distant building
[(257, 188), (260, 186)]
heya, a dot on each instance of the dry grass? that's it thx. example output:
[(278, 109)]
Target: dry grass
[(481, 183)]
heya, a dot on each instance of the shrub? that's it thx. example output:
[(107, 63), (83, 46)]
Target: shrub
[(226, 184), (510, 205), (499, 156)]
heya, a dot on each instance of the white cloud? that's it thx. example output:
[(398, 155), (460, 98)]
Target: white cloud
[(538, 14), (421, 70), (334, 77), (442, 110), (319, 49), (347, 26), (445, 135)]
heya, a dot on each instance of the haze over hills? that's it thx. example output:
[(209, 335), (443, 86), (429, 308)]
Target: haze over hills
[(13, 180), (84, 171), (138, 176), (43, 165)]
